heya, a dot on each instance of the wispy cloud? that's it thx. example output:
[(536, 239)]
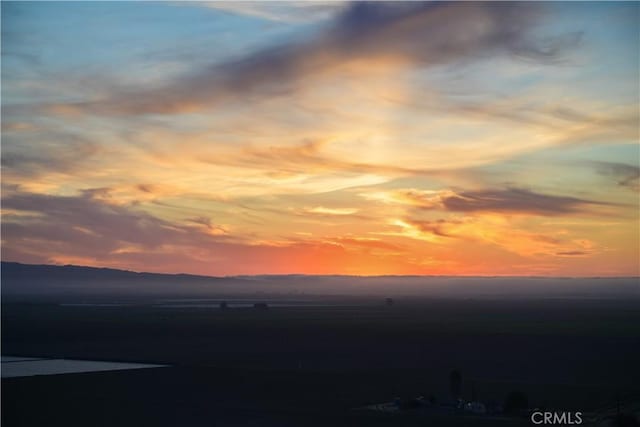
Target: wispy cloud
[(496, 231), (321, 210), (278, 11), (88, 229), (509, 200), (58, 152), (418, 33), (516, 200)]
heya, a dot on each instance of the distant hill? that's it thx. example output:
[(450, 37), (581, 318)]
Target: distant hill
[(33, 280), (15, 270)]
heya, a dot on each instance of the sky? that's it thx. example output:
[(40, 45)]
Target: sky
[(227, 138)]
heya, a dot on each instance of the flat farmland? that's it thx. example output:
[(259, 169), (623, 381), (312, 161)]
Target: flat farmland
[(288, 364)]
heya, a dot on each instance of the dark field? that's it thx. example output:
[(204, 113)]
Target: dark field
[(311, 365)]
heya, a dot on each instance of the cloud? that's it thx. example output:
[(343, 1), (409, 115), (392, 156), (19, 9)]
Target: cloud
[(421, 34), (515, 200), (17, 126), (573, 253), (55, 152), (278, 11), (626, 175), (321, 210), (88, 219), (365, 241), (87, 226), (87, 229), (425, 199), (493, 230), (312, 157), (509, 200), (438, 227)]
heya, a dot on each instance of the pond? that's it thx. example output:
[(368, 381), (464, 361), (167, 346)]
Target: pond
[(15, 366)]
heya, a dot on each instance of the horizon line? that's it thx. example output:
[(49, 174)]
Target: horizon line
[(324, 275)]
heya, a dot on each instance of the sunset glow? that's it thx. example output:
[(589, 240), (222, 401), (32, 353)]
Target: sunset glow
[(322, 138)]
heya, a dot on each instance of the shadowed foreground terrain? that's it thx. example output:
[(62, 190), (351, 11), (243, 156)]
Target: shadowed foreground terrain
[(325, 346), (313, 365)]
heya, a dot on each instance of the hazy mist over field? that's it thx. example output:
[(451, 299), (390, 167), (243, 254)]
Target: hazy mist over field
[(21, 279)]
